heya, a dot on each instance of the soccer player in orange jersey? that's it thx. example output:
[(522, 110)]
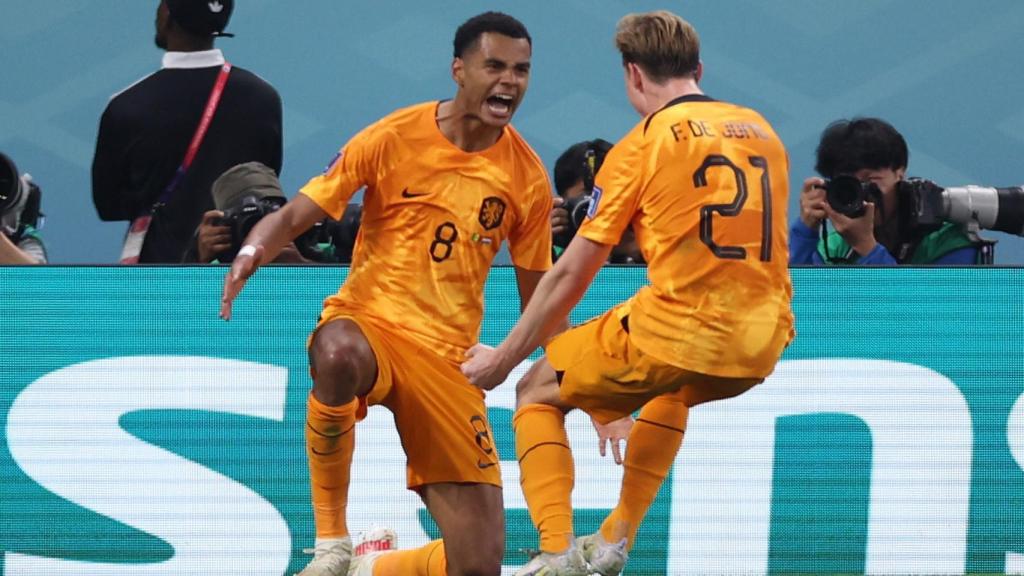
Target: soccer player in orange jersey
[(445, 184), (704, 184)]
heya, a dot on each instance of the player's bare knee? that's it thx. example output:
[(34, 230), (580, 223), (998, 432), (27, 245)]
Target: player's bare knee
[(344, 366)]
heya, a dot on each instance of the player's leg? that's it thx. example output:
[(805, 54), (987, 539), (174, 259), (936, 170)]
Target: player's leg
[(651, 449), (546, 470), (343, 366), (471, 518), (453, 465)]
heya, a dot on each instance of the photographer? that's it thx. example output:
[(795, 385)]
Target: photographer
[(863, 194), (20, 199), (575, 171), (243, 195)]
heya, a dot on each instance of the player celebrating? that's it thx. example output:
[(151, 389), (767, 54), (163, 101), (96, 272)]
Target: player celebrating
[(446, 182), (704, 184)]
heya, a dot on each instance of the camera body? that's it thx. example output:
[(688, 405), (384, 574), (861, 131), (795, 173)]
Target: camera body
[(241, 218), (847, 195), (332, 241), (577, 207)]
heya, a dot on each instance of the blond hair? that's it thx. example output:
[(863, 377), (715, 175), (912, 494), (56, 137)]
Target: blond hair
[(661, 43)]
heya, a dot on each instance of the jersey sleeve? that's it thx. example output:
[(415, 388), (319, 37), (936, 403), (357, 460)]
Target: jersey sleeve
[(530, 241), (354, 167), (616, 194)]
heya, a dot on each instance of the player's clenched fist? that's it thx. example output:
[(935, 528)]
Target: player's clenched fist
[(484, 367)]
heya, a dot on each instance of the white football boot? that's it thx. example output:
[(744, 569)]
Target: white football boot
[(331, 557), (604, 558)]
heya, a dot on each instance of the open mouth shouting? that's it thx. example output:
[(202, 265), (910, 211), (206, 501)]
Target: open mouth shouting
[(500, 105)]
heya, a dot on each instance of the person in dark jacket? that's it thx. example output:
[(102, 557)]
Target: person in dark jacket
[(147, 128)]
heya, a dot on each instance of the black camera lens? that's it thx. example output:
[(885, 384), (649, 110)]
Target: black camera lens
[(10, 183), (846, 195)]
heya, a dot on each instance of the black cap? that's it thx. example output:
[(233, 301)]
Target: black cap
[(202, 17)]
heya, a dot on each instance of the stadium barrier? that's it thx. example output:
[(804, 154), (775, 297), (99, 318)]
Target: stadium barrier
[(142, 435)]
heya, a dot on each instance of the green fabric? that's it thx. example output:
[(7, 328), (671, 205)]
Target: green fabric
[(934, 246), (941, 242)]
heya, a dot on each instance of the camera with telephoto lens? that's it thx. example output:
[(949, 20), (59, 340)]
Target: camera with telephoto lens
[(925, 206), (332, 241), (20, 199), (241, 218), (847, 195)]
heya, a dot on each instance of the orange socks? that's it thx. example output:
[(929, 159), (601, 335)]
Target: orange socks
[(651, 449), (546, 472), (330, 440), (428, 560)]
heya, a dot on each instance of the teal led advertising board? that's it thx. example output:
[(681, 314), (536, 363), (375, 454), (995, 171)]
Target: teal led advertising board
[(143, 435)]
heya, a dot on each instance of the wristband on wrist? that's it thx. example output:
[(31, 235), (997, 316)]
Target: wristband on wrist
[(247, 250)]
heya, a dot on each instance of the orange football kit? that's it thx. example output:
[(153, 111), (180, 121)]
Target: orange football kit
[(434, 217), (705, 186)]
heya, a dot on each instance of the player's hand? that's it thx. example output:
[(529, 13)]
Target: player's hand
[(213, 238), (483, 367), (612, 433), (859, 233), (812, 202), (559, 216), (243, 267)]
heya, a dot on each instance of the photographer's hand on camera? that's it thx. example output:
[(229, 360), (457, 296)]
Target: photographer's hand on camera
[(213, 238), (859, 233), (812, 202), (559, 217)]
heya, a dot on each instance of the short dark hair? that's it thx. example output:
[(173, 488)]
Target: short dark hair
[(469, 33), (572, 164), (848, 146)]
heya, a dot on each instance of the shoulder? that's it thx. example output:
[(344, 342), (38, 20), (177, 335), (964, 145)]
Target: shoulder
[(139, 90), (252, 81), (525, 153), (403, 122), (410, 116)]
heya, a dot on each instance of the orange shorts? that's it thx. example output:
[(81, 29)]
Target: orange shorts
[(603, 373), (441, 418)]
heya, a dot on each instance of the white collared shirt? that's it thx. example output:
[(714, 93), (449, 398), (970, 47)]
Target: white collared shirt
[(201, 59)]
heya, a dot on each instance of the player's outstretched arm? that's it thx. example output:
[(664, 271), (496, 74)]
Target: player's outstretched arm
[(265, 242), (556, 294)]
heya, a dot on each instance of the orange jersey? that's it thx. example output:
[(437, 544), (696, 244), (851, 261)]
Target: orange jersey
[(433, 219), (705, 185)]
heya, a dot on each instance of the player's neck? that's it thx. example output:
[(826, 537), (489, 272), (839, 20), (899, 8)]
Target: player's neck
[(658, 95), (465, 130)]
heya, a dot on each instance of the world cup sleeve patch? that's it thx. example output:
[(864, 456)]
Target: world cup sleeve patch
[(595, 199), (333, 161), (492, 212)]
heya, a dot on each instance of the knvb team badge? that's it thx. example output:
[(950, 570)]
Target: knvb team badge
[(492, 211)]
